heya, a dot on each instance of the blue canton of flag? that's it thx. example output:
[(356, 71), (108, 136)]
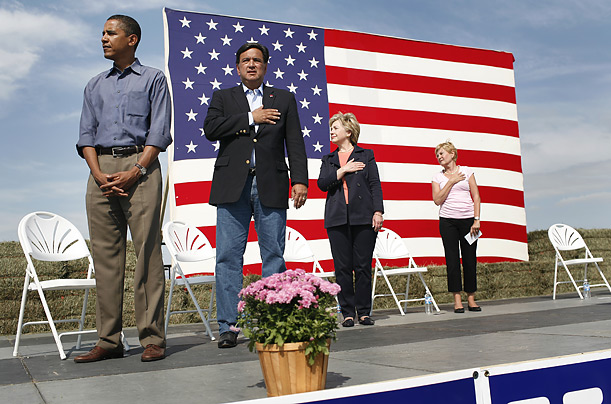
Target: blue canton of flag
[(201, 58)]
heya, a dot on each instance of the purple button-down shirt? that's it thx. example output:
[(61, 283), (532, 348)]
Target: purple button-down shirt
[(126, 108)]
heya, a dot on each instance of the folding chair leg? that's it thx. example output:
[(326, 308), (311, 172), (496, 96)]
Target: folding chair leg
[(427, 290), (555, 278), (603, 276), (393, 293), (24, 297), (574, 283), (58, 342), (82, 322), (211, 304), (201, 313), (409, 277), (167, 312)]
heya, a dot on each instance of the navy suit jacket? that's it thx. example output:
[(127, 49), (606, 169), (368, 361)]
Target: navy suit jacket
[(227, 122), (364, 190)]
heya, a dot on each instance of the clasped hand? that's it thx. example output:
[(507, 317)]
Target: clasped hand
[(118, 184)]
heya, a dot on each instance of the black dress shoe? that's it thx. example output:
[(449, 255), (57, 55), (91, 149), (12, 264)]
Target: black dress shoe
[(366, 321), (475, 308), (228, 339), (459, 310), (349, 322)]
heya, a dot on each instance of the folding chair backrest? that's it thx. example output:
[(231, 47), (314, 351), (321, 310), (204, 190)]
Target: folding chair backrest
[(296, 247), (49, 237), (187, 244), (565, 238), (389, 245)]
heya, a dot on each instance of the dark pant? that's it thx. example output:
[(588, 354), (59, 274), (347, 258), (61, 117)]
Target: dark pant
[(352, 249), (453, 232)]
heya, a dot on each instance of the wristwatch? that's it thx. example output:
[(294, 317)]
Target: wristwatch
[(141, 168), (476, 218)]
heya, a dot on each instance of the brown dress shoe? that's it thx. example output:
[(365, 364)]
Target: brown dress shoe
[(98, 354), (152, 352)]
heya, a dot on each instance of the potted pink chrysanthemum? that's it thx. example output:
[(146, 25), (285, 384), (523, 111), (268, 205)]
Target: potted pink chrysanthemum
[(290, 316)]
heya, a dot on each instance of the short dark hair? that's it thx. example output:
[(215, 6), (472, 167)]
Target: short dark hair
[(250, 45), (129, 25)]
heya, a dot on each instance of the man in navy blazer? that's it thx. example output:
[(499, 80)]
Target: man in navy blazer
[(253, 124)]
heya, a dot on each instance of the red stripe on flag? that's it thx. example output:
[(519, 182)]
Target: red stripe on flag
[(419, 84), (430, 120), (406, 47), (188, 193), (426, 155)]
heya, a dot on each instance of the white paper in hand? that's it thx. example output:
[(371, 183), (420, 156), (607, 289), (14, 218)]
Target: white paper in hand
[(471, 238)]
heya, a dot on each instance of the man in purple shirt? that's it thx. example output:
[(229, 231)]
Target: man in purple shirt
[(125, 124)]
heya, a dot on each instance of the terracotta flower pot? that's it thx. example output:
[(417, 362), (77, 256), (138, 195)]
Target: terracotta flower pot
[(286, 369)]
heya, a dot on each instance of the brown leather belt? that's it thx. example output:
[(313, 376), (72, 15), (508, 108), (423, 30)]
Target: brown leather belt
[(119, 151)]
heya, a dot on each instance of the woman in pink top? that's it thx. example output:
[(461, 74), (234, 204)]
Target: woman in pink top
[(455, 191), (353, 215)]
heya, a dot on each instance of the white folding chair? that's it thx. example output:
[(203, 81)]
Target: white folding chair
[(189, 246), (46, 236), (389, 245), (297, 249), (565, 238)]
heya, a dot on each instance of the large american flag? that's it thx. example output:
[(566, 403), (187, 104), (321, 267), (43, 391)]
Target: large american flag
[(408, 96)]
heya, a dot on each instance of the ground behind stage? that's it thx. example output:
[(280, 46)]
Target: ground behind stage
[(416, 344)]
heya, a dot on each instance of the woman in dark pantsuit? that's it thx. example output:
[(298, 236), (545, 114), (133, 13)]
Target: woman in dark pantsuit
[(353, 215)]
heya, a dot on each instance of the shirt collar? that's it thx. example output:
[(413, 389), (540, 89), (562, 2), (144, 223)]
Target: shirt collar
[(246, 89), (135, 67)]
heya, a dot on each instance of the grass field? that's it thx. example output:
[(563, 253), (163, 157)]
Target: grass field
[(495, 281)]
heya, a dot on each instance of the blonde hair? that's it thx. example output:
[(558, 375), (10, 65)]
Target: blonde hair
[(350, 124), (448, 147)]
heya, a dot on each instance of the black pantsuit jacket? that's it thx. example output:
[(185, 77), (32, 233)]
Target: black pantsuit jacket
[(227, 122), (364, 190)]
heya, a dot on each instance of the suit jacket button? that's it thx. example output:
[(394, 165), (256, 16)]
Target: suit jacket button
[(254, 140), (247, 161)]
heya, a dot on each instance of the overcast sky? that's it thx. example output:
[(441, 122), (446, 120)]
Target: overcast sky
[(49, 50)]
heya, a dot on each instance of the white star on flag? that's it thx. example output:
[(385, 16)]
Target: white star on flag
[(317, 118), (226, 40), (312, 35), (264, 30), (290, 61), (238, 27), (302, 75), (212, 25), (289, 33), (305, 104), (292, 88), (305, 131), (186, 53), (191, 115), (317, 147), (279, 74), (316, 90), (216, 84), (191, 147), (200, 39), (203, 99), (214, 55), (188, 84), (277, 46), (201, 69), (301, 47), (228, 70), (313, 62), (185, 22)]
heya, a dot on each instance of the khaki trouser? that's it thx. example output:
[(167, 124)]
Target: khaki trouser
[(108, 220)]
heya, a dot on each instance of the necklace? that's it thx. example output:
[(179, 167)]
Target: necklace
[(453, 172), (346, 151)]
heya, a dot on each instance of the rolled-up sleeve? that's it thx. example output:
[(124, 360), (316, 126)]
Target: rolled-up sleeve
[(161, 113), (88, 124)]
